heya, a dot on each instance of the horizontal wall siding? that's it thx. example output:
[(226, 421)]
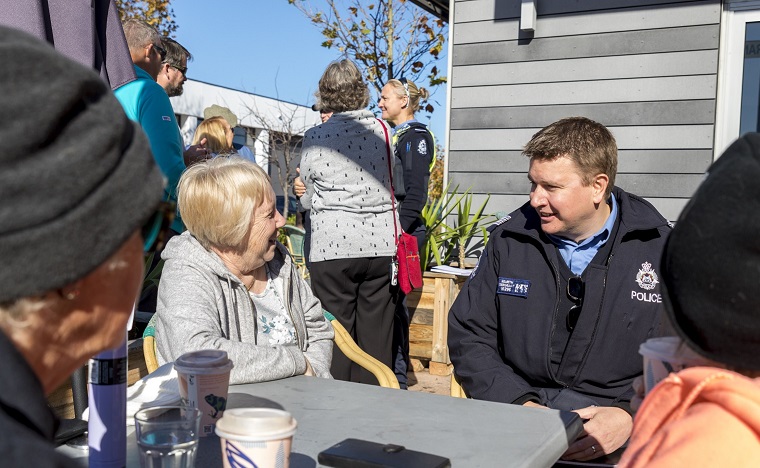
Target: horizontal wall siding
[(678, 161), (479, 10), (645, 69), (698, 62), (626, 19), (578, 92), (595, 45), (621, 113)]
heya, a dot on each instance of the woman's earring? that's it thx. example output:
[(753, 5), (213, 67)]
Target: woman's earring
[(69, 295)]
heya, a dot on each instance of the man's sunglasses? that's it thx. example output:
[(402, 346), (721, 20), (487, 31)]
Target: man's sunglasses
[(161, 51), (575, 291), (179, 68), (155, 231)]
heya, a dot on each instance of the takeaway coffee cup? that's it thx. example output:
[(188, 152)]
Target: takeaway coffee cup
[(259, 437), (664, 355), (204, 379)]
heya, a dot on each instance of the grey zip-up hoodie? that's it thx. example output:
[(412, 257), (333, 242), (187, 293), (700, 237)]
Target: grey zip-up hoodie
[(202, 305)]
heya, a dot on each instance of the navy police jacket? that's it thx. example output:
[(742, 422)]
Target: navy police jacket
[(500, 335)]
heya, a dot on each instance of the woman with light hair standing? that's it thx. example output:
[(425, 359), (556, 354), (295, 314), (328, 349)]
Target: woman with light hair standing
[(218, 135), (345, 169), (414, 147), (228, 284)]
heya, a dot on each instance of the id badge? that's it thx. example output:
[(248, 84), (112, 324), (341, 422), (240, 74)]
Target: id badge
[(394, 272)]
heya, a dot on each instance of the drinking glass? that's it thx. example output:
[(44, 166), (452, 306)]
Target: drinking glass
[(167, 436)]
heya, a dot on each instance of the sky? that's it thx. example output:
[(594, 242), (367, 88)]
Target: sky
[(266, 47)]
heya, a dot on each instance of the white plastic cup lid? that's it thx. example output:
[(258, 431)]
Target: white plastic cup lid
[(670, 349), (207, 361), (256, 424)]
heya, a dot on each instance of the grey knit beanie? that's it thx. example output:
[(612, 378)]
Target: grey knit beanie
[(77, 178)]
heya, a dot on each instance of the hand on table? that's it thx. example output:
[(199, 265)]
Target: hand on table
[(196, 153), (298, 186), (532, 404), (606, 430)]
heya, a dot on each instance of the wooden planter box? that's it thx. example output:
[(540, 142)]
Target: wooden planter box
[(428, 332)]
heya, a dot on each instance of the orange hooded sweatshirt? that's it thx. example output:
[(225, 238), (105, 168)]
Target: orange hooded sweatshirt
[(702, 416)]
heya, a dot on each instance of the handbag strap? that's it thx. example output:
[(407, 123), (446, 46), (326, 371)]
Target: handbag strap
[(390, 174)]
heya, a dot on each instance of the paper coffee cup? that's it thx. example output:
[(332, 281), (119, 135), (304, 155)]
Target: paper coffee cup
[(259, 437), (664, 355), (204, 380)]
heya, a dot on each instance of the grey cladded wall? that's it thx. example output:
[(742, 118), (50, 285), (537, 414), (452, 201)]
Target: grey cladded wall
[(646, 69)]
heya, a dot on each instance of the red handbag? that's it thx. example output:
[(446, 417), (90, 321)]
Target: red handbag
[(409, 269), (407, 253)]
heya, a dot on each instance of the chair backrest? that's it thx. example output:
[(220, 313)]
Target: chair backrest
[(455, 389), (149, 345), (295, 240), (384, 375)]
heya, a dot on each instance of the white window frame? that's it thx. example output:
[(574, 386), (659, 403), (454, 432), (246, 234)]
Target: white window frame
[(734, 19)]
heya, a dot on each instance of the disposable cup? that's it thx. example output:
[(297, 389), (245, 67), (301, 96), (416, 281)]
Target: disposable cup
[(259, 437), (204, 380), (664, 355)]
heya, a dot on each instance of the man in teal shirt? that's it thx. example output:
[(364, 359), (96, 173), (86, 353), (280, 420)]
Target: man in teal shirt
[(146, 102)]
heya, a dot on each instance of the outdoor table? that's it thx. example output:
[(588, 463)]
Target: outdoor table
[(470, 433)]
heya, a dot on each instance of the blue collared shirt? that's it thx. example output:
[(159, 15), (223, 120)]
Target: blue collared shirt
[(578, 256)]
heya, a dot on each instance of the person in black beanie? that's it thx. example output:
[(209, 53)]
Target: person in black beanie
[(710, 416), (77, 181)]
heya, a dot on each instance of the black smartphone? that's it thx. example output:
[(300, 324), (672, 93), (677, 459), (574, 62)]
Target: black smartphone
[(355, 453)]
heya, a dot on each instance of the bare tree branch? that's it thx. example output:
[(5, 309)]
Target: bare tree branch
[(284, 127), (386, 38)]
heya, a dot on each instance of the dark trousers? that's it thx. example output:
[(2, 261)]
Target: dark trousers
[(401, 322), (358, 292)]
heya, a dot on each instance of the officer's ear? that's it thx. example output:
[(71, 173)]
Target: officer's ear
[(599, 183)]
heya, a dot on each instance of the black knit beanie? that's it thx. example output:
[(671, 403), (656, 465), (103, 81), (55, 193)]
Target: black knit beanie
[(77, 178), (711, 265)]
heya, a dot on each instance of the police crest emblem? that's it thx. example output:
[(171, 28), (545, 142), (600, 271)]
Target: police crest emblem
[(422, 147), (647, 278)]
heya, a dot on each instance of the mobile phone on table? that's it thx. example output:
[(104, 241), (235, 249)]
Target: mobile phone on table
[(356, 453)]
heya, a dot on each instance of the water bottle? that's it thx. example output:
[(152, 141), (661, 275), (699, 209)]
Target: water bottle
[(107, 426)]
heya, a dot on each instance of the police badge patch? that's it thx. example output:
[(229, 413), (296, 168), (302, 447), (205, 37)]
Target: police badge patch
[(422, 147), (647, 278)]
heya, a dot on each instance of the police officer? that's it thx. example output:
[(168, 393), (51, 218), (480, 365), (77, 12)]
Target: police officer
[(414, 148), (566, 290)]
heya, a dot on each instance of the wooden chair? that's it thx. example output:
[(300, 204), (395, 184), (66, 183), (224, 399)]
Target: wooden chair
[(456, 390), (149, 345), (294, 241), (385, 377)]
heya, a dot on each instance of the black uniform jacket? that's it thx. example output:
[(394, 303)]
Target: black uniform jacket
[(501, 325), (27, 425), (414, 149)]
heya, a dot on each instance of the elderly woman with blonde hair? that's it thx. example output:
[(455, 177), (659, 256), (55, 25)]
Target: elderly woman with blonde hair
[(228, 284)]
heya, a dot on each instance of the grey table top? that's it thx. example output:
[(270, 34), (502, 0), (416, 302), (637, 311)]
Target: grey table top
[(470, 433)]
